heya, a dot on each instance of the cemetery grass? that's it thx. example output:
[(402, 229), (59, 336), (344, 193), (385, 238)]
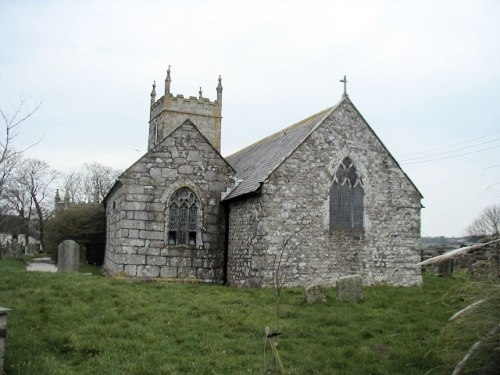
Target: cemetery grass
[(81, 324)]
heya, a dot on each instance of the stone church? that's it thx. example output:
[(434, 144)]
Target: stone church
[(320, 199)]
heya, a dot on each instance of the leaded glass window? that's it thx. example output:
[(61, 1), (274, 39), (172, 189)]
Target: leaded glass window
[(346, 198), (183, 218)]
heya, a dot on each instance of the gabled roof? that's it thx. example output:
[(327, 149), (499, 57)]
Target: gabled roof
[(187, 122), (256, 162)]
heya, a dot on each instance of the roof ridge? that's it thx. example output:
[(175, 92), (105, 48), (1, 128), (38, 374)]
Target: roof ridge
[(273, 135)]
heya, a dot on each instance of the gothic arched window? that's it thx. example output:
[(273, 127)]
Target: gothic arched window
[(183, 217), (346, 198)]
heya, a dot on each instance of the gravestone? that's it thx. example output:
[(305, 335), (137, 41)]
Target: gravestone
[(445, 268), (12, 250), (350, 288), (31, 249), (3, 334), (314, 294), (68, 256)]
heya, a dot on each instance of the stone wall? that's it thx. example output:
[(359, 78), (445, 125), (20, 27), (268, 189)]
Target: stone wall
[(247, 228), (171, 111), (136, 243), (294, 204)]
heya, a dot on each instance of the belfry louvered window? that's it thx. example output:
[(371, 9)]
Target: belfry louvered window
[(183, 217), (346, 198)]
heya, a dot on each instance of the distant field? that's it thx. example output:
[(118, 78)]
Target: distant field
[(77, 324)]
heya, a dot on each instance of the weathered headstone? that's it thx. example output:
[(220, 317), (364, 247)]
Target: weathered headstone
[(350, 288), (68, 256), (12, 250), (445, 268), (3, 334), (315, 293), (31, 249)]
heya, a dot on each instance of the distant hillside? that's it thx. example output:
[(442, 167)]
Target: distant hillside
[(441, 241)]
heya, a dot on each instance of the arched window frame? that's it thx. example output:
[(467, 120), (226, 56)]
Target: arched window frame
[(346, 199), (183, 218)]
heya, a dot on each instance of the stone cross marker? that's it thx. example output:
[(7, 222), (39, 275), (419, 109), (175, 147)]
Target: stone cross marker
[(350, 288), (344, 81), (68, 256)]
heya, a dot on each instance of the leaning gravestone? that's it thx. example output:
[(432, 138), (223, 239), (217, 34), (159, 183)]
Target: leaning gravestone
[(315, 293), (350, 288), (68, 256)]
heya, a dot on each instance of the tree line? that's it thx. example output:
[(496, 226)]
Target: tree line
[(28, 186)]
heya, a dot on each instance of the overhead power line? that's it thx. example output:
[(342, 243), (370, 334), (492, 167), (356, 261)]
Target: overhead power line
[(433, 155), (450, 146), (450, 157)]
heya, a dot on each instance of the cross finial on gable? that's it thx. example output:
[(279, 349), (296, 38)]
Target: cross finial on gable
[(344, 95)]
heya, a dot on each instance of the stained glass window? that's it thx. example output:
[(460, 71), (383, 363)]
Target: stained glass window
[(183, 218), (346, 198)]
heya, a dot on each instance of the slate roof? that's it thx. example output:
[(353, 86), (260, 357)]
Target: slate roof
[(254, 163)]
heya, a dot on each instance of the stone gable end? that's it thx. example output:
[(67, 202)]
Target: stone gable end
[(294, 205), (137, 211)]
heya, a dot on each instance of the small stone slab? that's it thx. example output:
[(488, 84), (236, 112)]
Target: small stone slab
[(68, 256), (350, 288), (41, 267), (315, 294)]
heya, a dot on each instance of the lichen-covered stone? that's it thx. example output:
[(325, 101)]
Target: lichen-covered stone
[(137, 243), (315, 294), (294, 204), (350, 288), (68, 256), (247, 223)]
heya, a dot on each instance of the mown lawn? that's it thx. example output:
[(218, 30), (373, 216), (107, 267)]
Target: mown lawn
[(78, 324)]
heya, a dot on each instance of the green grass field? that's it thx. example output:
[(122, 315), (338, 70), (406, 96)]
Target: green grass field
[(78, 324)]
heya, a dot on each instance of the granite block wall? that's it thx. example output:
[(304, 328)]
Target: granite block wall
[(293, 208), (136, 211)]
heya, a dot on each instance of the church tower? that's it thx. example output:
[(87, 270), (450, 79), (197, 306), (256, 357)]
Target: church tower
[(169, 112)]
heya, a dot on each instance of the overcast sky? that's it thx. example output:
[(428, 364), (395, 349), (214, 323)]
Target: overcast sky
[(424, 74)]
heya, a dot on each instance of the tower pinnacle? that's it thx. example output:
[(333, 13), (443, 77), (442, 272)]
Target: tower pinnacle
[(201, 93), (153, 94), (167, 82), (219, 90)]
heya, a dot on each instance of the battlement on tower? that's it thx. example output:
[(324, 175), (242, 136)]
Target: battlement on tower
[(169, 112), (179, 103)]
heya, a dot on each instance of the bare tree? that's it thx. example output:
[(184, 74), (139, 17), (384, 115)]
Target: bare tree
[(73, 185), (36, 178), (16, 200), (97, 179), (487, 223), (9, 154)]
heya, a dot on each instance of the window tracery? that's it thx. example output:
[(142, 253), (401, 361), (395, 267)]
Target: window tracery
[(183, 217), (346, 198)]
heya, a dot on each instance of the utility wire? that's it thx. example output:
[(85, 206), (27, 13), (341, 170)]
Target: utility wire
[(450, 146), (450, 157), (451, 151)]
